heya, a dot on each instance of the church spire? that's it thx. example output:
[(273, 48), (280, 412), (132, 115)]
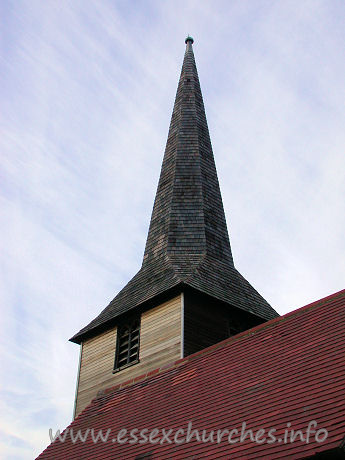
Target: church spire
[(188, 244), (188, 220)]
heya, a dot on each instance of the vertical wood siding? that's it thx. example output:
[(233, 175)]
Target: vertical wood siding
[(160, 343)]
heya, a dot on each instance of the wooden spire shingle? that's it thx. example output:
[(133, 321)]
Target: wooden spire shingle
[(188, 242)]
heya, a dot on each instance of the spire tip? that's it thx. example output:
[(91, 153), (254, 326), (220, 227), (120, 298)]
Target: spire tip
[(189, 39)]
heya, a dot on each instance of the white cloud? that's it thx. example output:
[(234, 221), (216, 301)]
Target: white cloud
[(87, 95)]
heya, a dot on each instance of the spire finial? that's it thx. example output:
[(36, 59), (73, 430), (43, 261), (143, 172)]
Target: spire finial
[(189, 39)]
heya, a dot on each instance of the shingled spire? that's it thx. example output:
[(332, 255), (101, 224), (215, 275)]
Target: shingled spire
[(188, 243), (188, 220)]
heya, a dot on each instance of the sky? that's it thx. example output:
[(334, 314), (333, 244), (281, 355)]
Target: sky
[(86, 95)]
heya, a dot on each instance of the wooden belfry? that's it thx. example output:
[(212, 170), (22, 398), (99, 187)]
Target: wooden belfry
[(187, 294)]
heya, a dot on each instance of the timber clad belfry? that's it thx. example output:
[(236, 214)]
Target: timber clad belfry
[(187, 254), (156, 349), (188, 339), (188, 242)]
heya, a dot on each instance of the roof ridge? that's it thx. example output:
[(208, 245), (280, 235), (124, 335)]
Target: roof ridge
[(322, 301)]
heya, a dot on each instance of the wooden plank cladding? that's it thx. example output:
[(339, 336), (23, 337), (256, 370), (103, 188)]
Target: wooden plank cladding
[(160, 343), (208, 321)]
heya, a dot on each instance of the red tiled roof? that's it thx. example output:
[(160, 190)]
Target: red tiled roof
[(290, 369)]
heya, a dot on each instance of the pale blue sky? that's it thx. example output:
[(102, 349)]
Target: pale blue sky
[(87, 90)]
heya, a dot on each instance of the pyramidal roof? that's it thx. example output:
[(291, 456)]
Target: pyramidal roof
[(188, 243)]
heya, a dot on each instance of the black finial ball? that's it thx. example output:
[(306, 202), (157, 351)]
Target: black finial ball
[(189, 39)]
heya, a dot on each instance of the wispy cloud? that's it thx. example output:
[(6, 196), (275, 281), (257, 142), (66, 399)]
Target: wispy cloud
[(87, 92)]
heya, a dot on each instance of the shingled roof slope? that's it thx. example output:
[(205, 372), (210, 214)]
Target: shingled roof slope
[(188, 239), (288, 370)]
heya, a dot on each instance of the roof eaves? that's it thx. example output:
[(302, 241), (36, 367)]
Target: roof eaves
[(91, 332)]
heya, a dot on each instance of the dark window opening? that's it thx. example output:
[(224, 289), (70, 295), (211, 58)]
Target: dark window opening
[(127, 346), (235, 327)]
